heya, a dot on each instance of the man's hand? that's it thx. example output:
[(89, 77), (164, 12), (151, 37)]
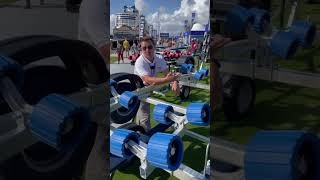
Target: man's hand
[(172, 76)]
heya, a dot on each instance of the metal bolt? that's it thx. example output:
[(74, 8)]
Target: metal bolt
[(172, 151)]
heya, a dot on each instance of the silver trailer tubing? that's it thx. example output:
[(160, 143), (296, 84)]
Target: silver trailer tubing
[(15, 135), (183, 172), (145, 92)]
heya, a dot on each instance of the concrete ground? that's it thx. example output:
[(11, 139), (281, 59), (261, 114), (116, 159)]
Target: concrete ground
[(122, 67)]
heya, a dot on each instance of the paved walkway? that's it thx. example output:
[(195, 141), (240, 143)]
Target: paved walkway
[(122, 67), (51, 18)]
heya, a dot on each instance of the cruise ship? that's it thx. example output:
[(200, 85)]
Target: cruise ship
[(130, 24)]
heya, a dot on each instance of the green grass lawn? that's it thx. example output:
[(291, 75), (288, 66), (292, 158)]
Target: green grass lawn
[(280, 106), (304, 11), (113, 59), (306, 60), (193, 149)]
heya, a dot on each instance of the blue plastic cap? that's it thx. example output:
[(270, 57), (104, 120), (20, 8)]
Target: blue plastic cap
[(165, 151), (51, 118), (199, 114)]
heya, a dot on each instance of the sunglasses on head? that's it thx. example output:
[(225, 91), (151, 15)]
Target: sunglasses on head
[(145, 48)]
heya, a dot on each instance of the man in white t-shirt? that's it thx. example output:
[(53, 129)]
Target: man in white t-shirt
[(93, 28), (147, 66)]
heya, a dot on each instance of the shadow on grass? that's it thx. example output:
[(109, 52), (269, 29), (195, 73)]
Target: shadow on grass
[(132, 169), (194, 153), (196, 95), (278, 107)]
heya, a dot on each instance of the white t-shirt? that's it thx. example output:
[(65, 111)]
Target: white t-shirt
[(144, 67), (93, 26)]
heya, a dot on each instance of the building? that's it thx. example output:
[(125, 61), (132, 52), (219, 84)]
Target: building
[(150, 30), (124, 32), (144, 28), (127, 24), (194, 30), (129, 17), (130, 24), (154, 34)]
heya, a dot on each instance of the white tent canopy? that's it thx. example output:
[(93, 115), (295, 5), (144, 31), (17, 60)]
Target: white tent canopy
[(198, 27)]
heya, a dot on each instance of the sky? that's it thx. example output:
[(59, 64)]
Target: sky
[(172, 12)]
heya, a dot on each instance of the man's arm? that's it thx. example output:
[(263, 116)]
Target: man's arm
[(159, 80), (94, 21)]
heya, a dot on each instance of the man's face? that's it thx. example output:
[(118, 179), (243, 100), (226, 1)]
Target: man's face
[(147, 49)]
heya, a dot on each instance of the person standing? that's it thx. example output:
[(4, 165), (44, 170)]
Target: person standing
[(147, 67), (120, 52), (126, 46), (134, 48), (93, 27)]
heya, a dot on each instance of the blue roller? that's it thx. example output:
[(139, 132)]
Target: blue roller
[(238, 19), (118, 139), (282, 155), (284, 44), (59, 122), (204, 71), (160, 113), (184, 68), (113, 83), (199, 114), (198, 75), (165, 151), (261, 19), (11, 69), (305, 31), (128, 100), (190, 67)]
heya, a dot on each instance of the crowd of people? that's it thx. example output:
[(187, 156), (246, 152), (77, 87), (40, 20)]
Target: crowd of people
[(125, 49)]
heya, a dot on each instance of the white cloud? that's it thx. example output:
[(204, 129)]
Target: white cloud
[(174, 22), (141, 5), (112, 22)]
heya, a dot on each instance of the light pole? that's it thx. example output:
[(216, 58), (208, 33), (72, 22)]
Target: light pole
[(159, 24)]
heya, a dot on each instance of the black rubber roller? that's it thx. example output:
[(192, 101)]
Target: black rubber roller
[(59, 122), (285, 155)]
